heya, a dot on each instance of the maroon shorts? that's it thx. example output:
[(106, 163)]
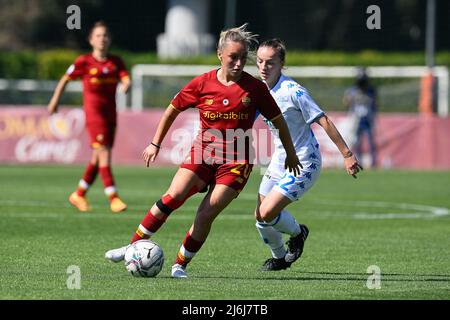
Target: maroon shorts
[(101, 135), (233, 175)]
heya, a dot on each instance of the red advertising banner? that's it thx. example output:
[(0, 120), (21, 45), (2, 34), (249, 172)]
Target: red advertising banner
[(30, 135)]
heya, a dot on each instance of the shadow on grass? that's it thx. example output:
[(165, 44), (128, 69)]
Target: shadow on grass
[(338, 276)]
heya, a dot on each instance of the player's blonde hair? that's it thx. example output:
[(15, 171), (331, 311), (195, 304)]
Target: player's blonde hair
[(238, 34)]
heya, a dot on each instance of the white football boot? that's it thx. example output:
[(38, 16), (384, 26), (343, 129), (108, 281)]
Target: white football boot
[(116, 255), (178, 271)]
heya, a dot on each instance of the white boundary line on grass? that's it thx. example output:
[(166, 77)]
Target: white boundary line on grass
[(419, 211), (413, 211)]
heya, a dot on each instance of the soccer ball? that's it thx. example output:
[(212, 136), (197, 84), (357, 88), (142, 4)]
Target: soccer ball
[(144, 258)]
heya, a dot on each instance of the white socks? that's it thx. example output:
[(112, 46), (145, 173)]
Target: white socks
[(273, 238), (286, 223), (271, 232)]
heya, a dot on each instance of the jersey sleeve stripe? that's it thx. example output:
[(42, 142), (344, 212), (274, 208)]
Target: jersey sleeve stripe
[(276, 117), (175, 108), (317, 116)]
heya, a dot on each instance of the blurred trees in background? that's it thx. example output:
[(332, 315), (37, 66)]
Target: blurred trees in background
[(303, 24), (41, 24)]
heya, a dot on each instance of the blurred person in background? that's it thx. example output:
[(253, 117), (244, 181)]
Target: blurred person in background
[(361, 103), (100, 73)]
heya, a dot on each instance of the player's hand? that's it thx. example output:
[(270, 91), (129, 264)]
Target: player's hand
[(293, 164), (352, 166), (149, 154), (125, 86)]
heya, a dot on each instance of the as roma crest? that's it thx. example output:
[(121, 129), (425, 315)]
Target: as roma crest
[(246, 101)]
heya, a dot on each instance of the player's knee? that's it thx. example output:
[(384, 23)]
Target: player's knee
[(104, 155), (102, 149), (263, 211), (258, 215), (181, 194)]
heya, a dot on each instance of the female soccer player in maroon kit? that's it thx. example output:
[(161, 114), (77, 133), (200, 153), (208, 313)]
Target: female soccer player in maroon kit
[(227, 99), (100, 73)]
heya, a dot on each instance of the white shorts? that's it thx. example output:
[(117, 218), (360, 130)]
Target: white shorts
[(290, 186)]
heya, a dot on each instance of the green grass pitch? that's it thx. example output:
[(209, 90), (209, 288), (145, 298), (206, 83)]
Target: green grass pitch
[(396, 220)]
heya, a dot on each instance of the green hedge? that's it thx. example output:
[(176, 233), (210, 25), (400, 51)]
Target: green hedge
[(363, 58), (18, 65), (52, 64)]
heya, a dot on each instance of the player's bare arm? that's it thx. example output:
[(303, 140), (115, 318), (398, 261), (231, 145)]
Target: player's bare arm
[(125, 84), (292, 163), (351, 163), (151, 151), (54, 102)]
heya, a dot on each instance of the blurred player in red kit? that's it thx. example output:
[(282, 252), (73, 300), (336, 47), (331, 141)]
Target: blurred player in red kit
[(228, 100), (100, 73)]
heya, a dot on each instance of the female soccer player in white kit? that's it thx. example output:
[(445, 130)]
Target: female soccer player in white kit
[(279, 187)]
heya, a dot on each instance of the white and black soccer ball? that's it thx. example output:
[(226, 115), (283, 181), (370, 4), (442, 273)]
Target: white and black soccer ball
[(144, 258)]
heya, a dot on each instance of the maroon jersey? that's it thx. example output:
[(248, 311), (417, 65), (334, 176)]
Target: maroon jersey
[(100, 80), (225, 109)]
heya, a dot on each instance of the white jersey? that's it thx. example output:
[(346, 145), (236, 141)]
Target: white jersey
[(299, 110)]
